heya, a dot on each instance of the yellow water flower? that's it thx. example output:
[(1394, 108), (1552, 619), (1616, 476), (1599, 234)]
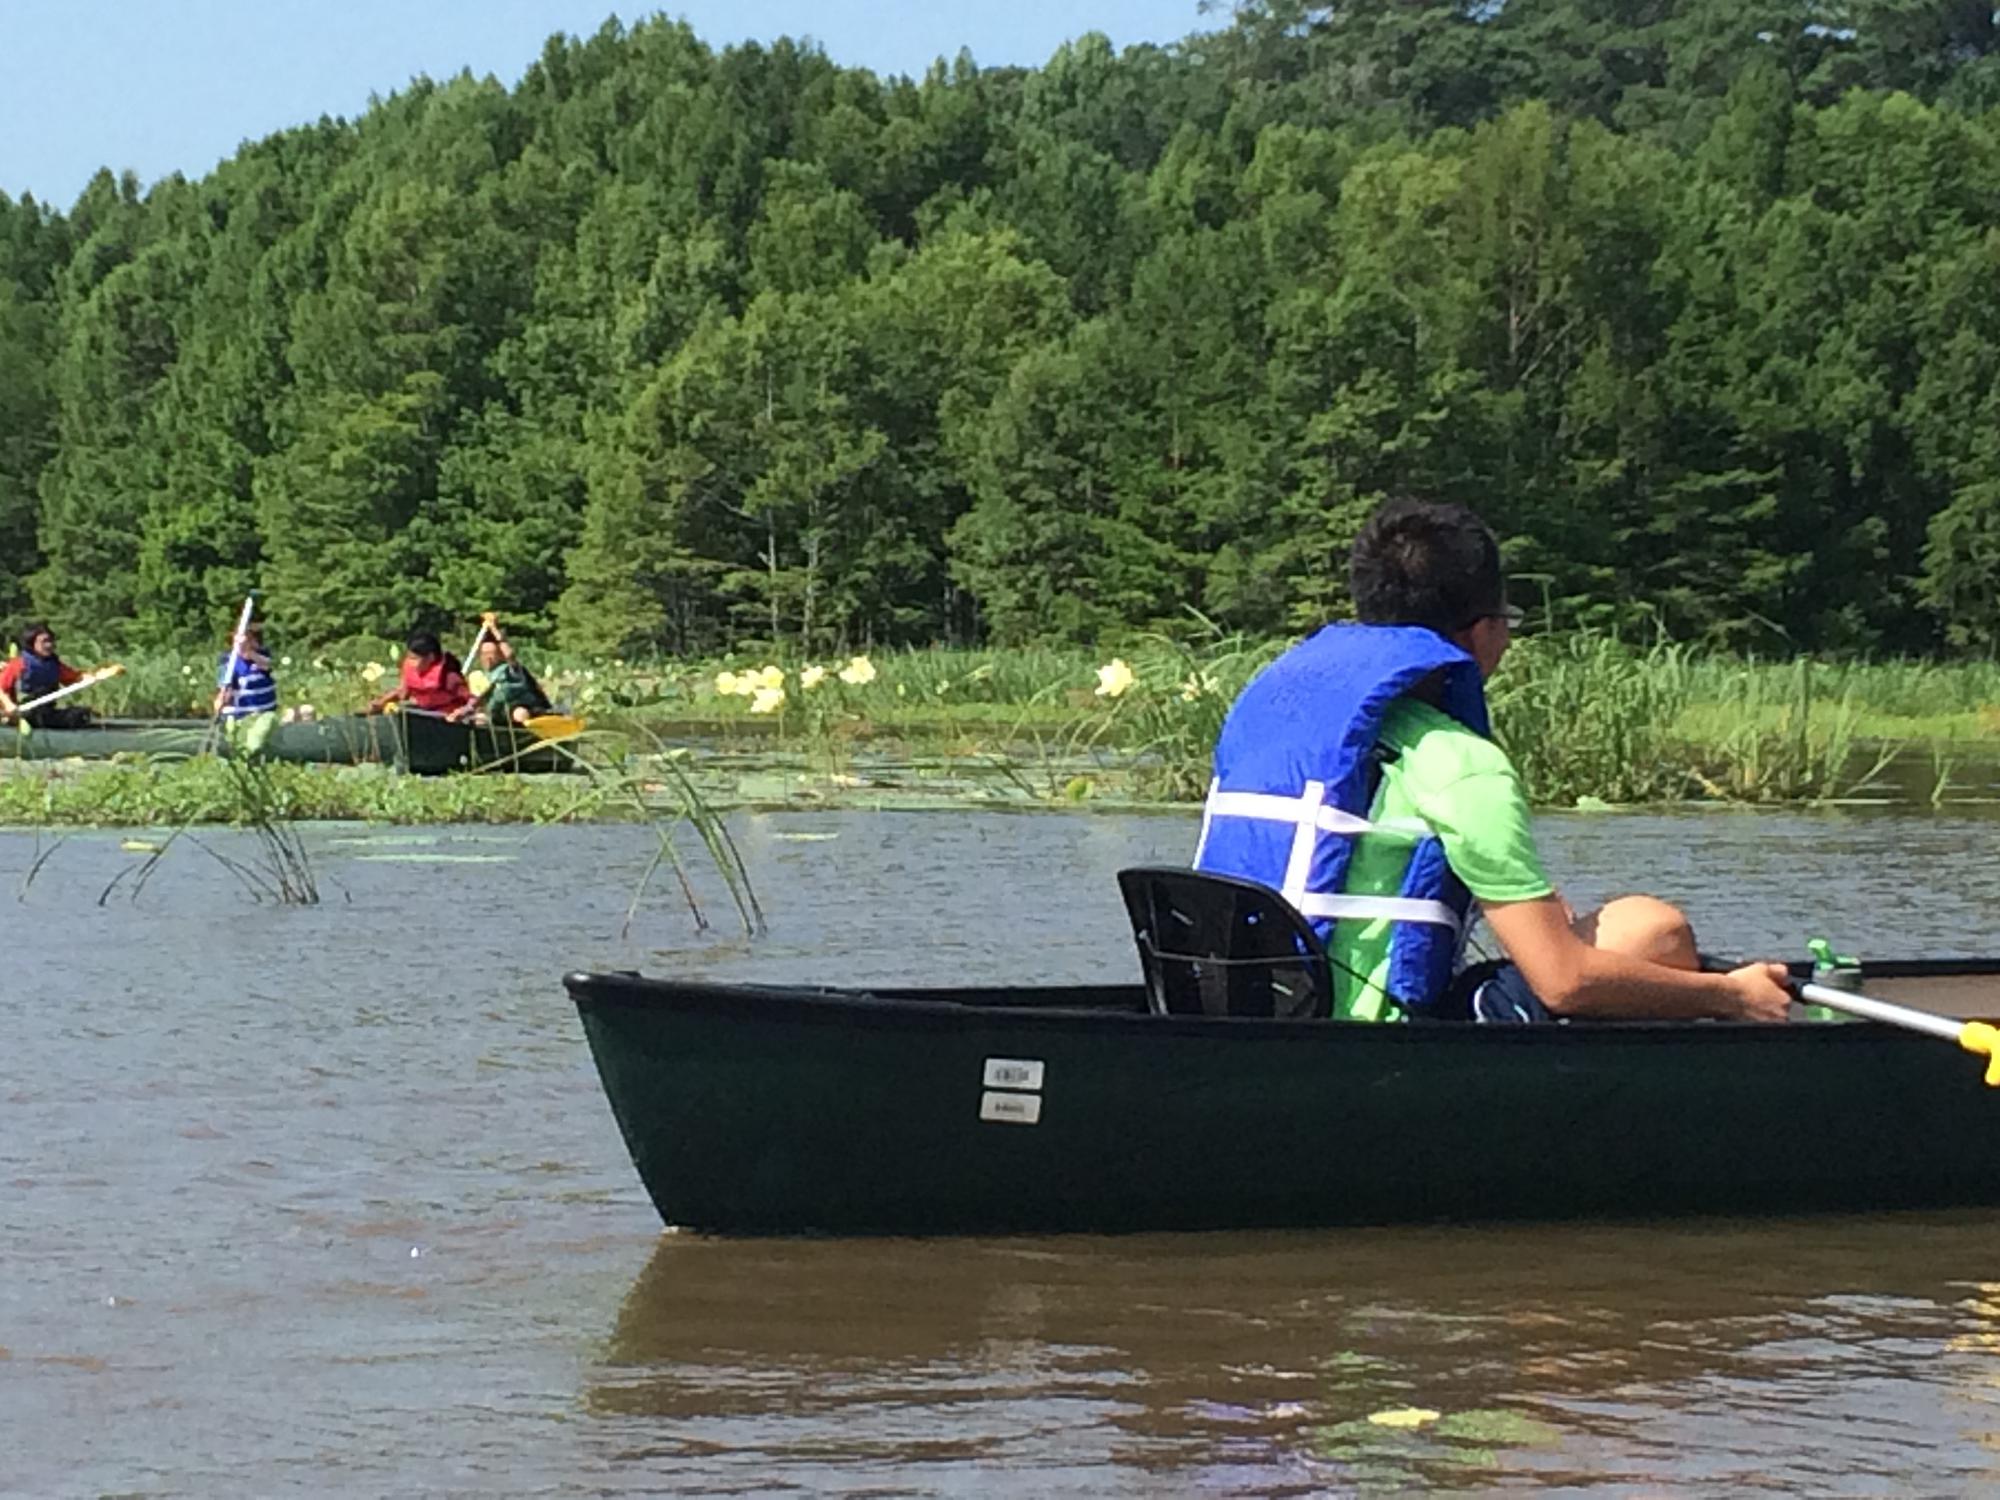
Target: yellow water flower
[(769, 679), (729, 685), (1198, 683), (767, 700), (374, 672), (858, 672), (1114, 677), (812, 677), (1404, 1416)]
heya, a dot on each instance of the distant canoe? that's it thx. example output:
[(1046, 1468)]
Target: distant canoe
[(422, 743), (755, 1109)]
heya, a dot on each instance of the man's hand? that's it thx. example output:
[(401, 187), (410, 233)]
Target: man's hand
[(1762, 990)]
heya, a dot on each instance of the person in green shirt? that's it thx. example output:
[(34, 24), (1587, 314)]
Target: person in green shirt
[(511, 694), (1437, 566)]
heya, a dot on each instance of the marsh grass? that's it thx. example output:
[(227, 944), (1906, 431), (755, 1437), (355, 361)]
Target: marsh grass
[(659, 793), (1585, 716)]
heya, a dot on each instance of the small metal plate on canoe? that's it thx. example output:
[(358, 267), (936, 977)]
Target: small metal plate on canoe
[(1013, 1073), (1011, 1109)]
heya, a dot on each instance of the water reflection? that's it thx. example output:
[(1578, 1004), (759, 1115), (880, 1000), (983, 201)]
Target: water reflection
[(1797, 1356)]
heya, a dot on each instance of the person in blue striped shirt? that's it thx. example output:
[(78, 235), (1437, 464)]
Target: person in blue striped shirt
[(244, 686)]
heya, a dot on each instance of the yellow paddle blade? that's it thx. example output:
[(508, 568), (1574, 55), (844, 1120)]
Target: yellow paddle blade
[(1983, 1039), (554, 726), (478, 681)]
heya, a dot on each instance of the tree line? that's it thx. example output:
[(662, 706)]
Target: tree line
[(672, 348)]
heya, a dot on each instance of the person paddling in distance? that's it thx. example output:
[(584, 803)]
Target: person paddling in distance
[(432, 681), (511, 695), (245, 686), (1356, 776), (35, 672)]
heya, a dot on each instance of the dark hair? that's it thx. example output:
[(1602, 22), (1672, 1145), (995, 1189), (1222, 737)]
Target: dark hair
[(1419, 562), (30, 630), (424, 643)]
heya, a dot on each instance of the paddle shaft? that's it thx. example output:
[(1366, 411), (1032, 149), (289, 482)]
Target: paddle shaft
[(229, 668), (89, 679), (1981, 1038), (1882, 1010), (471, 658)]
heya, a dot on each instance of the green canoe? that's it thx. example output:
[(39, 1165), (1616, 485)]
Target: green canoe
[(751, 1109), (423, 743)]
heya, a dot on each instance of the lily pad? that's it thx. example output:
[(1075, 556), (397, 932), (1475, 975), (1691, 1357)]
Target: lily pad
[(1504, 1428)]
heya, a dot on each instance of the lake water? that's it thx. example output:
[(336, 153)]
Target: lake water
[(327, 1201)]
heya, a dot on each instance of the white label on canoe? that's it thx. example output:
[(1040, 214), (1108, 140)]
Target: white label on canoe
[(1013, 1073), (1011, 1109)]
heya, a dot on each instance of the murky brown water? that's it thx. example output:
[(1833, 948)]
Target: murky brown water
[(328, 1201)]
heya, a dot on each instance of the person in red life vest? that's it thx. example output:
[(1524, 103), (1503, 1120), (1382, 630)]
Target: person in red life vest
[(432, 682), (36, 673)]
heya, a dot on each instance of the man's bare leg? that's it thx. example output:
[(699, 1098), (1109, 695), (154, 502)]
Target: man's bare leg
[(1643, 927)]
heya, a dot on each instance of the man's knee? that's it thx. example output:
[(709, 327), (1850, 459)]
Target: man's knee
[(1643, 927)]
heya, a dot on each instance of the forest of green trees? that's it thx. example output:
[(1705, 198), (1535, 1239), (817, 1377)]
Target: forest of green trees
[(1698, 301)]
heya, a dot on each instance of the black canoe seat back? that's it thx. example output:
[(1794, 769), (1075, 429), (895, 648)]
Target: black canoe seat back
[(1212, 945)]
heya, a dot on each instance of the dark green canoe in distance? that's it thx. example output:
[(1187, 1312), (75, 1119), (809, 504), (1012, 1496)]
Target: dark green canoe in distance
[(420, 743), (763, 1110)]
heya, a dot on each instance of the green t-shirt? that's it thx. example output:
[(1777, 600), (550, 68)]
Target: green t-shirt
[(1462, 787)]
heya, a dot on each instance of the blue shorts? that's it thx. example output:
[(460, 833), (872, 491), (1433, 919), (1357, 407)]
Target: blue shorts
[(1497, 993)]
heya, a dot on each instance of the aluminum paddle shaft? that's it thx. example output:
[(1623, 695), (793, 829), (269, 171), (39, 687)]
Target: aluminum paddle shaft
[(243, 617), (1978, 1037), (88, 680)]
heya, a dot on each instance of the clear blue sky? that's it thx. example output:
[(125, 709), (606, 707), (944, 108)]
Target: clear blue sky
[(176, 85)]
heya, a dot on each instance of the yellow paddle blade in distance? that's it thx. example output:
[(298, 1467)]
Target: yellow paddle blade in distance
[(1983, 1039), (554, 726), (479, 682)]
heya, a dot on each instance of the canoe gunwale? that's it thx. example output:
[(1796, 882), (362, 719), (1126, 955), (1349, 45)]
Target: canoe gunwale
[(1120, 1009)]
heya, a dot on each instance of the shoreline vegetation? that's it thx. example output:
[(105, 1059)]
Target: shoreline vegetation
[(1591, 721)]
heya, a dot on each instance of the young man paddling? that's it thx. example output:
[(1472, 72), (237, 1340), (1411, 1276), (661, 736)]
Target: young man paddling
[(35, 673), (511, 695), (1355, 775), (432, 681), (244, 683)]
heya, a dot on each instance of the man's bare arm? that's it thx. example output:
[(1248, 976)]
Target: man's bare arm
[(1576, 978)]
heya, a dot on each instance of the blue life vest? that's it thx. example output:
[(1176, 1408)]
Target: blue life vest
[(40, 675), (1296, 771)]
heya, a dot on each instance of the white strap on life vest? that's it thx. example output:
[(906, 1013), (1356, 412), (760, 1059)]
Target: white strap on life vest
[(1378, 909), (1311, 817)]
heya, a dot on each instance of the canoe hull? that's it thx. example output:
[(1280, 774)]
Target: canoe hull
[(421, 743), (753, 1110)]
